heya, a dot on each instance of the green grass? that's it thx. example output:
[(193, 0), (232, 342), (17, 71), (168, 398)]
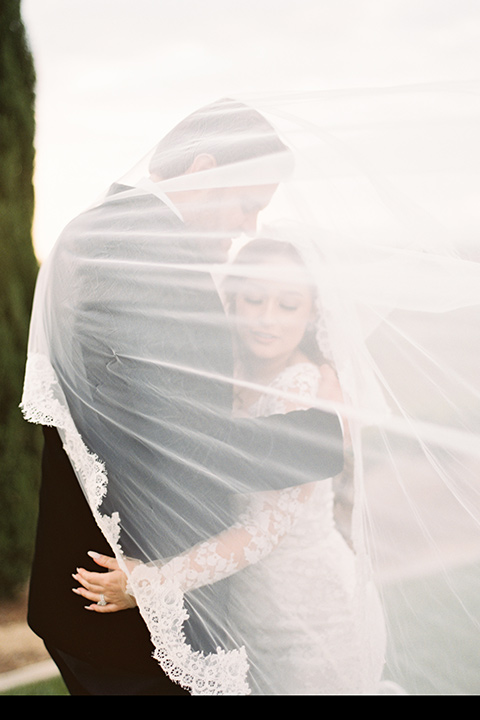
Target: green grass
[(54, 686)]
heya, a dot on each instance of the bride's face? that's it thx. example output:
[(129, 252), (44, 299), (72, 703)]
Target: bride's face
[(272, 312)]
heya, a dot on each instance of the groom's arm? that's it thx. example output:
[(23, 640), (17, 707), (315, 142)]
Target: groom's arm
[(280, 451)]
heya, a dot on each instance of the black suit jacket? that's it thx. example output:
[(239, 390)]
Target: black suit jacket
[(66, 529)]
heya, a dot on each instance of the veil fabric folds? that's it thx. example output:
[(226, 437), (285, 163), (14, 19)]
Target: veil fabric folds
[(268, 551)]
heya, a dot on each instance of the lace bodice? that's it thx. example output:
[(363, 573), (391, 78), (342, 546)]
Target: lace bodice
[(294, 388), (264, 518)]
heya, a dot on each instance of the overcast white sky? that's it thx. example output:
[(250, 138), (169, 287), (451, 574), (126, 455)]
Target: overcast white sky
[(114, 75)]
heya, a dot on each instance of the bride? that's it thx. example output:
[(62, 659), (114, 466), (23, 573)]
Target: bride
[(296, 599), (309, 579)]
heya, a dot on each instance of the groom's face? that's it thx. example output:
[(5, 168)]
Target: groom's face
[(229, 212)]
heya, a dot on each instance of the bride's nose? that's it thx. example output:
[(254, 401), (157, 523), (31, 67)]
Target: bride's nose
[(267, 312)]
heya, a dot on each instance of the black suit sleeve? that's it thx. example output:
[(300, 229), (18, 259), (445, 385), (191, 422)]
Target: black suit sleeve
[(283, 450)]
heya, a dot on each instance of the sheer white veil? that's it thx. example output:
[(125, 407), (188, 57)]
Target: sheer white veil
[(130, 357)]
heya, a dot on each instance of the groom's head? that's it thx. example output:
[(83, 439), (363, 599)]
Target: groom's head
[(228, 130), (241, 158)]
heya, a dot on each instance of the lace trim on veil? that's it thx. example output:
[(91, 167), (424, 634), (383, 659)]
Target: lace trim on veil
[(160, 602), (43, 403)]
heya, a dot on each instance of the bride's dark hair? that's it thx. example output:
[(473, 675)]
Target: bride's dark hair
[(260, 250)]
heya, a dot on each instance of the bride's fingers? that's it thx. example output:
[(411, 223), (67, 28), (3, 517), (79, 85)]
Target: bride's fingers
[(105, 609), (87, 594), (110, 608), (95, 598), (94, 582), (103, 560)]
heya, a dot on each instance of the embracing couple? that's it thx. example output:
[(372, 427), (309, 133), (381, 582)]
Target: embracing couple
[(199, 443)]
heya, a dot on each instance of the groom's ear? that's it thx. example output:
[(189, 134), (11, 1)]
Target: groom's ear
[(205, 161)]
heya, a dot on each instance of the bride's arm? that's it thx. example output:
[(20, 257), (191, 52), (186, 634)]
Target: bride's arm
[(268, 518)]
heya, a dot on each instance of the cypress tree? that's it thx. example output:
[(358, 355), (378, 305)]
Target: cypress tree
[(19, 441)]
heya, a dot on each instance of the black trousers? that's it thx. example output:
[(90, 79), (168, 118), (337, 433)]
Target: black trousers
[(82, 678)]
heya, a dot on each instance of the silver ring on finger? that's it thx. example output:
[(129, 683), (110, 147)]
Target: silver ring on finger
[(102, 602)]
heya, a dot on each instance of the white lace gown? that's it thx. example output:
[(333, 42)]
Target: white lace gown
[(306, 618), (313, 625)]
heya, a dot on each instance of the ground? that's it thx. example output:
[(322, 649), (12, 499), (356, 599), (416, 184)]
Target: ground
[(19, 646)]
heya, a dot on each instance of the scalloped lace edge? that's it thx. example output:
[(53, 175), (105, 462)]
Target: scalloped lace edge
[(161, 604)]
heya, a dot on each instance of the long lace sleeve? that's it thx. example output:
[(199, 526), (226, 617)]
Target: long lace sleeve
[(265, 521)]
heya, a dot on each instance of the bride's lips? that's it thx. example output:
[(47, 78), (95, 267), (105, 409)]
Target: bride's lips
[(263, 337)]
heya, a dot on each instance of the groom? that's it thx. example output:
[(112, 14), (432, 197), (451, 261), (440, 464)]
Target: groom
[(110, 654)]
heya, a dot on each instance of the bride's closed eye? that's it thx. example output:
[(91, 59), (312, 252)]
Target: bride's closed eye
[(253, 299), (290, 301)]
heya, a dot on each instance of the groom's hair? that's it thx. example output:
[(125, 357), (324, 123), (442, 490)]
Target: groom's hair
[(226, 129)]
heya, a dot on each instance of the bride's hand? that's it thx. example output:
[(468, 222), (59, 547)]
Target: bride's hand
[(110, 586)]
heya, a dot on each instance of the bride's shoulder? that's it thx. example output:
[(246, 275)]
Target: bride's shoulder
[(301, 375), (294, 388), (301, 366)]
